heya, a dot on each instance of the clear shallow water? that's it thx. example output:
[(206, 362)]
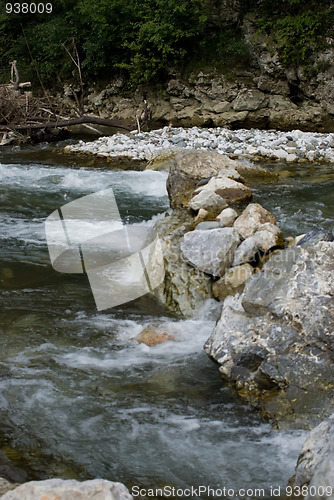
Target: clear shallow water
[(79, 397)]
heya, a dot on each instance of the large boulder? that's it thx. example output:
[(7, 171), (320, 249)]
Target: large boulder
[(211, 251), (275, 343), (54, 489), (185, 288), (315, 465), (188, 168)]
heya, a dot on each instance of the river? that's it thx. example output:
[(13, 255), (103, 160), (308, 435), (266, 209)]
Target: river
[(79, 397)]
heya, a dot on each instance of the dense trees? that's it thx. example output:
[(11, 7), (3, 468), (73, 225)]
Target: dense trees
[(144, 39)]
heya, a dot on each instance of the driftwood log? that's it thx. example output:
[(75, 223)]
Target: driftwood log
[(67, 123)]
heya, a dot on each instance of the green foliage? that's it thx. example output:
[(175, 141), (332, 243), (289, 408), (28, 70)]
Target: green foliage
[(298, 27), (144, 39)]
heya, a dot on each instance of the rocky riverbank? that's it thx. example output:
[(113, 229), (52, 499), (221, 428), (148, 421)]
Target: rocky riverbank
[(295, 146), (265, 94)]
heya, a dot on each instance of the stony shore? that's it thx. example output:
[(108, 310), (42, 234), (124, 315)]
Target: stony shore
[(294, 146)]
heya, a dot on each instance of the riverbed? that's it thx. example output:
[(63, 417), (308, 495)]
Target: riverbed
[(79, 396)]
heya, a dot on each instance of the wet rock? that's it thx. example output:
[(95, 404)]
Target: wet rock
[(232, 282), (252, 218), (229, 189), (315, 465), (208, 200), (210, 251), (185, 288), (266, 238), (287, 309), (56, 489), (227, 217), (153, 336), (162, 160), (313, 237)]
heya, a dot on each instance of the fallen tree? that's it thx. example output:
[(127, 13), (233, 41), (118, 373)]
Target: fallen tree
[(67, 123)]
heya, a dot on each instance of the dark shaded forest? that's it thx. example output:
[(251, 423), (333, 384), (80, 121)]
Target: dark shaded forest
[(145, 40)]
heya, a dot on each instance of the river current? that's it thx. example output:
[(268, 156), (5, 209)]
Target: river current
[(79, 397)]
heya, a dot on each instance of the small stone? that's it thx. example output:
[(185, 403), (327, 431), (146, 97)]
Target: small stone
[(201, 216), (208, 200), (210, 224), (227, 217), (232, 282), (229, 189)]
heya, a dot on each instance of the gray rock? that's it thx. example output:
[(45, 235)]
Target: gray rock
[(210, 251), (187, 168), (315, 465), (266, 238), (6, 486), (286, 309), (210, 224), (313, 237), (98, 489), (250, 100), (229, 189), (185, 288), (208, 200)]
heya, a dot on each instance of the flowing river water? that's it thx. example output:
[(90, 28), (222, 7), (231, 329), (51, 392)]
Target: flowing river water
[(79, 397)]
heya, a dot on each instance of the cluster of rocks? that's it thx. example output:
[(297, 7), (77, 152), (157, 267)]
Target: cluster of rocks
[(273, 341), (294, 146), (211, 243)]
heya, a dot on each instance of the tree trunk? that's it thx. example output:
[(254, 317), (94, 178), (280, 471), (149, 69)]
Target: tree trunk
[(67, 123)]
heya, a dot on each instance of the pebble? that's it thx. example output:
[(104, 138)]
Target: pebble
[(274, 145)]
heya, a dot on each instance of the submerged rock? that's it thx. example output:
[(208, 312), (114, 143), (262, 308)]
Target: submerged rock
[(54, 489), (286, 314), (152, 336)]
